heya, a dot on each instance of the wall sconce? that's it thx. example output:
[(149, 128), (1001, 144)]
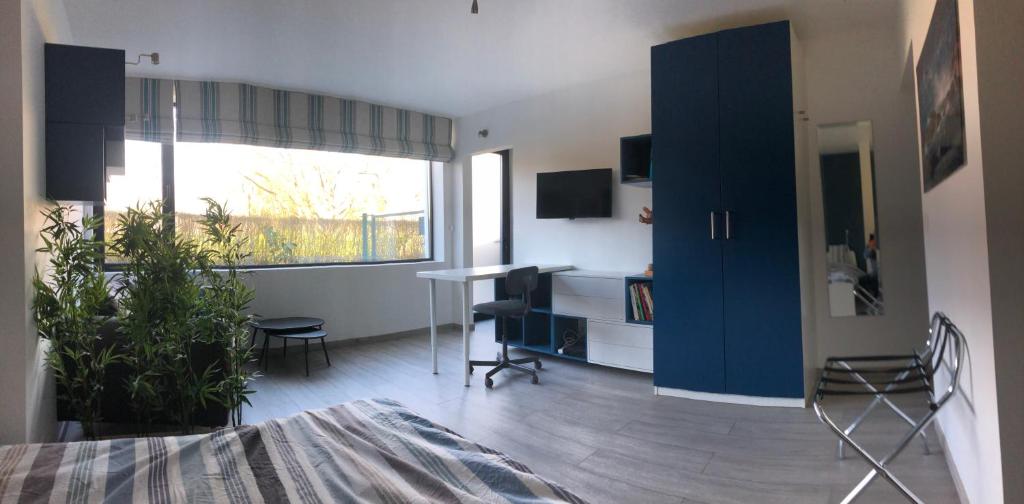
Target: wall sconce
[(154, 58)]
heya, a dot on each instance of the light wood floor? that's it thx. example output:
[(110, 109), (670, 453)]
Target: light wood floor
[(601, 432)]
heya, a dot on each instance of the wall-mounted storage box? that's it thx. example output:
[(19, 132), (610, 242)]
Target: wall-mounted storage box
[(84, 119), (635, 160)]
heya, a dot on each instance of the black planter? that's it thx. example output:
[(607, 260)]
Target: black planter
[(115, 400)]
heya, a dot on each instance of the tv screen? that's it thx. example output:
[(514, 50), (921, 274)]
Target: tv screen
[(574, 194)]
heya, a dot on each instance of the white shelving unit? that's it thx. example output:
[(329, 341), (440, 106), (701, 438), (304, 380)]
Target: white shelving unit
[(600, 298)]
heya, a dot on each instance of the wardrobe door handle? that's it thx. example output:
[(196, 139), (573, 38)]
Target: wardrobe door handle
[(712, 218), (728, 225)]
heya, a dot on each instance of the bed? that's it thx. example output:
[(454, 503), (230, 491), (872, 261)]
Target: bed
[(361, 451)]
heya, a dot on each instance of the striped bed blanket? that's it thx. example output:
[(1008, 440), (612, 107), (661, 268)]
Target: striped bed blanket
[(361, 451)]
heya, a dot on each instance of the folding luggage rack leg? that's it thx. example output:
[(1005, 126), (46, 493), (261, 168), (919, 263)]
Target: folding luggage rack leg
[(880, 398), (878, 466), (945, 349)]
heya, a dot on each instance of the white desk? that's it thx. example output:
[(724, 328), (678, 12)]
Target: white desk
[(466, 276)]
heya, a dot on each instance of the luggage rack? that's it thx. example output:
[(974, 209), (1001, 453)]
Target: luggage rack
[(886, 375)]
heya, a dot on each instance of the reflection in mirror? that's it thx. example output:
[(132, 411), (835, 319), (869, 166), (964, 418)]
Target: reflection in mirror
[(853, 250)]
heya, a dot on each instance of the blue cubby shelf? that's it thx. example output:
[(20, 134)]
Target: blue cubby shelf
[(630, 280), (541, 331), (635, 160)]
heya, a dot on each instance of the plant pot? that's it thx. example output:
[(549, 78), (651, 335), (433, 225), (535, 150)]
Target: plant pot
[(115, 394)]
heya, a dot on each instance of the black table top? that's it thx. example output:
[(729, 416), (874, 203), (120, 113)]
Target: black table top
[(287, 323), (313, 334)]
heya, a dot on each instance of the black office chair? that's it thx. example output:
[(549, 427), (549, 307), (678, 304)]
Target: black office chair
[(518, 282)]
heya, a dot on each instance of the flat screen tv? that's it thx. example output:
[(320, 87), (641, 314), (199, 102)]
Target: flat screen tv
[(574, 194)]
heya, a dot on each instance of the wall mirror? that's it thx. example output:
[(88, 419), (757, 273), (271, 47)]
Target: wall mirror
[(852, 240)]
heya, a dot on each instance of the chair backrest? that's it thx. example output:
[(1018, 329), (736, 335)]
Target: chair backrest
[(521, 282)]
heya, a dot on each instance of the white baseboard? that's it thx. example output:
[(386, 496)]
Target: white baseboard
[(784, 402), (953, 471)]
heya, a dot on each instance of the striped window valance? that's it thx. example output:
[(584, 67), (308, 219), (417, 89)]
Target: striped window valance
[(247, 114), (149, 109)]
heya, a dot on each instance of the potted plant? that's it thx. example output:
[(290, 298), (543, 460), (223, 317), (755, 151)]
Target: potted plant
[(70, 305), (177, 350), (224, 303), (181, 315)]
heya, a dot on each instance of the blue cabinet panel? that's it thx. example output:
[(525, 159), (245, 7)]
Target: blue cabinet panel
[(763, 342), (75, 162), (688, 336), (84, 109), (84, 85), (723, 144)]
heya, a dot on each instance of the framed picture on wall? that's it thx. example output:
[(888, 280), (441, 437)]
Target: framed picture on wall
[(940, 97)]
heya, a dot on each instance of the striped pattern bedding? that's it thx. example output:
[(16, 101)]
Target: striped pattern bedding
[(362, 451)]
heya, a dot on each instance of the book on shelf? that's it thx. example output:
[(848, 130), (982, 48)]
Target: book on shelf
[(650, 301), (633, 301), (641, 301)]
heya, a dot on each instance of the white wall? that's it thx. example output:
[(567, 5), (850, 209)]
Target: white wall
[(12, 272), (38, 26), (363, 300), (972, 230), (572, 129), (858, 75), (27, 391), (1000, 44)]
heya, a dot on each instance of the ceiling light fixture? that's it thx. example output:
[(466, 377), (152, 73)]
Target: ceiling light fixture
[(475, 9)]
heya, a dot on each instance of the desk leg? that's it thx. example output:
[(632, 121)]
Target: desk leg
[(433, 324), (465, 328)]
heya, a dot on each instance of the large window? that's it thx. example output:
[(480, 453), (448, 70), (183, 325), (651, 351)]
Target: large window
[(294, 206)]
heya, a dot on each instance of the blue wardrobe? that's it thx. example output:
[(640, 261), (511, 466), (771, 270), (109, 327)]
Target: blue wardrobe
[(726, 231)]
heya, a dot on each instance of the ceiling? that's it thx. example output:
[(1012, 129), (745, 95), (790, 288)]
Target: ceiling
[(428, 55)]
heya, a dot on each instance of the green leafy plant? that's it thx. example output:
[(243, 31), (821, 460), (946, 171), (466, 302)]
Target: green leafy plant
[(225, 299), (182, 312), (158, 313), (69, 300), (281, 251)]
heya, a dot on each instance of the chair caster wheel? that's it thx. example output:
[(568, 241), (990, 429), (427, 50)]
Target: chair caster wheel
[(537, 365), (489, 383), (535, 380)]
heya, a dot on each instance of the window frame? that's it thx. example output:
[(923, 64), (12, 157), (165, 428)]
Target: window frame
[(167, 194)]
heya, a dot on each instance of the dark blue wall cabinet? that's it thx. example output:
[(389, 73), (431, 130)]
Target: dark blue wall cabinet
[(635, 160), (725, 232), (84, 111)]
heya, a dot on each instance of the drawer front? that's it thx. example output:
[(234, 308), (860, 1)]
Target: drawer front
[(627, 357), (621, 334), (607, 288), (589, 307)]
